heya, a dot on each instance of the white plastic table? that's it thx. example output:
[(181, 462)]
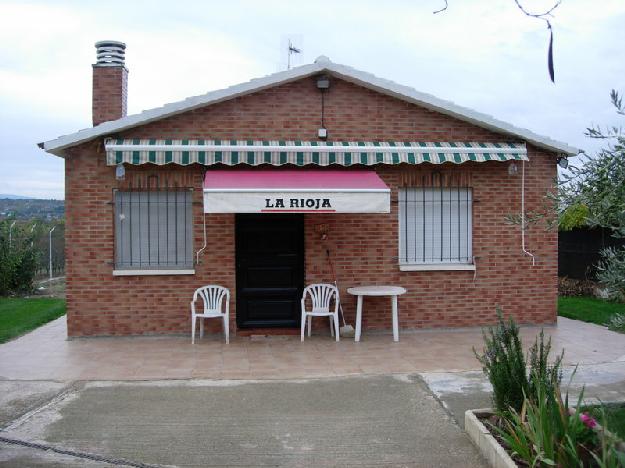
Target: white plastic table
[(362, 291)]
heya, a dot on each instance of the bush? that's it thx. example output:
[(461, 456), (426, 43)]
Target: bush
[(504, 364), (617, 323), (543, 375), (537, 426), (18, 259), (611, 272), (571, 287)]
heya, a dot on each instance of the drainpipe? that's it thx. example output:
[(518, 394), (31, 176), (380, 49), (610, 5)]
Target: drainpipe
[(197, 254), (523, 214)]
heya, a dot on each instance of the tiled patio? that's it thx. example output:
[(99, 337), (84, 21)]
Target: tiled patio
[(46, 354)]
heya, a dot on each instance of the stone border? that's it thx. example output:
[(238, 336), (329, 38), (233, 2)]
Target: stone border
[(490, 449)]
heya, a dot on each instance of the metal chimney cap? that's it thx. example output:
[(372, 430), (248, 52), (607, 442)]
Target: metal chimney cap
[(110, 44), (110, 53)]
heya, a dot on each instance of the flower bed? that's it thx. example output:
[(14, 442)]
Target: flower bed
[(532, 423), (477, 423), (488, 445)]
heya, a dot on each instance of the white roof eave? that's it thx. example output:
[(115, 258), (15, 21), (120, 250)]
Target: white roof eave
[(405, 93), (322, 64)]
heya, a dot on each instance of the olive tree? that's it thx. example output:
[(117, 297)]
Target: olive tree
[(593, 193)]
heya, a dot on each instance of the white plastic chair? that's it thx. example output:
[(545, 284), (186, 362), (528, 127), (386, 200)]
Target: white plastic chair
[(213, 297), (321, 296)]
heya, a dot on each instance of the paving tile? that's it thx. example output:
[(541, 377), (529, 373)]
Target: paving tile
[(47, 354)]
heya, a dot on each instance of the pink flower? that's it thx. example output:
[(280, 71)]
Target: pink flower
[(588, 420)]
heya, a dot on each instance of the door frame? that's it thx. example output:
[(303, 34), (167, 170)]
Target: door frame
[(241, 218)]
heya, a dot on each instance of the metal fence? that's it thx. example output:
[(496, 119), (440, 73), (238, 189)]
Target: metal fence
[(579, 251)]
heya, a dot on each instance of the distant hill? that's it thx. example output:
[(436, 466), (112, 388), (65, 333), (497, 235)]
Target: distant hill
[(31, 208), (8, 196)]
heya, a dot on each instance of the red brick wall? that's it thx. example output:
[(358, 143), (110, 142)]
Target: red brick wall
[(364, 246), (110, 93)]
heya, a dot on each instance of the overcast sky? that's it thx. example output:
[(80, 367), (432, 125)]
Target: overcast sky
[(482, 54)]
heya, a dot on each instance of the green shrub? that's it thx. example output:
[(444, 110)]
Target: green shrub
[(18, 259), (574, 216), (542, 374), (611, 272), (617, 323), (503, 363)]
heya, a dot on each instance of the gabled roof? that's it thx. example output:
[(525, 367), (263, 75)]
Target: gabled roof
[(322, 64)]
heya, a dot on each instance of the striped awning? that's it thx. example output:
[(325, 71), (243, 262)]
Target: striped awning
[(302, 153)]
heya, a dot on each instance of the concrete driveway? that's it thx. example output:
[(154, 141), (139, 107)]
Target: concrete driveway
[(348, 421), (103, 402)]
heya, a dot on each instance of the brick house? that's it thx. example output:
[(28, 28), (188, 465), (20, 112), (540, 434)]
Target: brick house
[(255, 187)]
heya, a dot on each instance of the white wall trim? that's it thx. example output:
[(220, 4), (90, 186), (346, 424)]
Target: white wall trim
[(152, 272), (438, 267)]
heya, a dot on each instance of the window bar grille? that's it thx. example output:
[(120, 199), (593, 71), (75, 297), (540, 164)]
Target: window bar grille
[(138, 228), (441, 240), (459, 249), (467, 218), (406, 226), (129, 217), (138, 195), (149, 226), (167, 225), (176, 226), (158, 233), (419, 221), (424, 223), (185, 222)]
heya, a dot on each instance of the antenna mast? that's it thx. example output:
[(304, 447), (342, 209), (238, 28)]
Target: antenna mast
[(292, 50)]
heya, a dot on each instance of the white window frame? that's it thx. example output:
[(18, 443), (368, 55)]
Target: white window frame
[(465, 262), (161, 263)]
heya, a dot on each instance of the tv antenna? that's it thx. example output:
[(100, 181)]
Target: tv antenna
[(292, 50)]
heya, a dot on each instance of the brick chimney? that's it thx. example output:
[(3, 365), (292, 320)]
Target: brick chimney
[(110, 82)]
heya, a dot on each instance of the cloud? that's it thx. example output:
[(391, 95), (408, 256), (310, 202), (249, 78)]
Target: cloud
[(481, 54)]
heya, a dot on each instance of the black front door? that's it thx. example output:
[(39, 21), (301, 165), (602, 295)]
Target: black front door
[(270, 269)]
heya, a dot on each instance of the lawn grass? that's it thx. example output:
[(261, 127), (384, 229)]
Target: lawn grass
[(588, 309), (615, 415), (19, 315)]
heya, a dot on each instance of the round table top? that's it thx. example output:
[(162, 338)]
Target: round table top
[(376, 291)]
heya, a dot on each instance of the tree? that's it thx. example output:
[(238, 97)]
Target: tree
[(18, 258), (596, 190)]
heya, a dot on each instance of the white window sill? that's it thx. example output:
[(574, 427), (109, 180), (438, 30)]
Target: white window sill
[(152, 272), (438, 267)]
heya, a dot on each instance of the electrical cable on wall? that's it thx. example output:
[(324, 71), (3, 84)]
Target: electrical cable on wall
[(323, 84)]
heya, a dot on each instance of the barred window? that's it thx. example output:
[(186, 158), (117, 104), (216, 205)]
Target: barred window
[(435, 226), (153, 230)]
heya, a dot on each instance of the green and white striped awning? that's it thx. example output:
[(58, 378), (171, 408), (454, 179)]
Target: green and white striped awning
[(302, 153)]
